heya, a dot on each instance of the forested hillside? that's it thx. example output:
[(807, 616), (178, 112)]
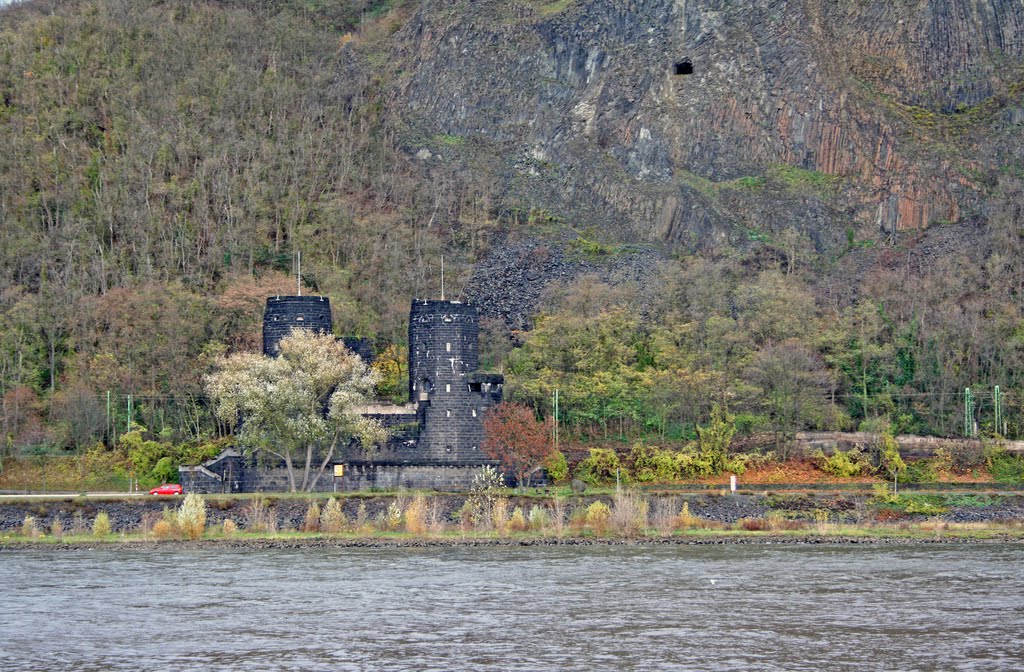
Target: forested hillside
[(659, 209)]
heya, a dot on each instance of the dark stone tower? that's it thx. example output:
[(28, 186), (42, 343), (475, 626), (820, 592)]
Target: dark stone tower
[(450, 396), (285, 313)]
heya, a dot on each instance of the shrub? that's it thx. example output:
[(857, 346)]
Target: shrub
[(686, 520), (597, 517), (821, 517), (311, 523), (557, 466), (361, 518), (967, 455), (889, 456), (923, 505), (630, 513), (192, 516), (919, 471), (752, 524), (884, 495), (651, 464), (57, 528), (163, 529), (601, 467), (468, 514), (416, 515), (146, 522), (29, 528), (843, 464), (392, 517), (260, 517), (517, 523), (1004, 467), (101, 525), (539, 518), (435, 517), (558, 515), (665, 512), (229, 527), (499, 515), (332, 518), (713, 444)]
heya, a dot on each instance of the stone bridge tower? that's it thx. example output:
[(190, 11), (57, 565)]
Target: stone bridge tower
[(285, 313), (450, 395)]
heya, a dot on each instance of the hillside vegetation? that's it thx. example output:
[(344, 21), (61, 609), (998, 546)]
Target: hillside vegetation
[(165, 161)]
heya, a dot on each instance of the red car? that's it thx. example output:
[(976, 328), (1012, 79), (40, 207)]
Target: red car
[(166, 489)]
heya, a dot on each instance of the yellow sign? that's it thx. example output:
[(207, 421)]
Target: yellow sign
[(339, 470)]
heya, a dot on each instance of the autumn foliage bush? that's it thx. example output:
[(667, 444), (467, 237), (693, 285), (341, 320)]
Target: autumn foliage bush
[(515, 437)]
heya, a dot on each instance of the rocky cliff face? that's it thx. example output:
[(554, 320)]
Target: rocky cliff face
[(704, 123)]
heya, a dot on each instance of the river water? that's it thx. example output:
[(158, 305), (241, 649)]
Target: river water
[(548, 608)]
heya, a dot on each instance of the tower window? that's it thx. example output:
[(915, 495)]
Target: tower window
[(684, 68), (474, 412), (448, 347), (447, 387)]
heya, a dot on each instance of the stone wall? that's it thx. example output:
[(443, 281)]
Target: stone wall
[(382, 476), (230, 472), (911, 447)]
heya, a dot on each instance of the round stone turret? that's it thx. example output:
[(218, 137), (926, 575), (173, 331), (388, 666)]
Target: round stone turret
[(285, 313)]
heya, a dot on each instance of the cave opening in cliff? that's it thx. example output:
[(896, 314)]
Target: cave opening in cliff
[(684, 68)]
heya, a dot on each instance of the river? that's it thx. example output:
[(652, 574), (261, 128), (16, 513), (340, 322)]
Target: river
[(548, 608)]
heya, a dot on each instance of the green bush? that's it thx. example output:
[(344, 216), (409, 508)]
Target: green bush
[(557, 466), (652, 464), (843, 464), (598, 515), (332, 518), (601, 467), (539, 518), (889, 456), (919, 471), (101, 526), (927, 505), (1005, 467)]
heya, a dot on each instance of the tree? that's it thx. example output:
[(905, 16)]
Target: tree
[(300, 403), (514, 435), (791, 385), (889, 458)]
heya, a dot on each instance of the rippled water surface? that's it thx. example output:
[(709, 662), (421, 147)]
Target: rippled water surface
[(632, 608)]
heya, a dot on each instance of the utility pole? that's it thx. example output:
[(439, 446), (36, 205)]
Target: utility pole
[(968, 413), (554, 428), (997, 401)]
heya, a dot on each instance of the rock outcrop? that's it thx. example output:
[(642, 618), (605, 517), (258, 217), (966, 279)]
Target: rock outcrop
[(700, 123)]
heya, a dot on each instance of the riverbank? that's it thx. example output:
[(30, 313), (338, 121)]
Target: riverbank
[(503, 518), (877, 536), (386, 511)]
